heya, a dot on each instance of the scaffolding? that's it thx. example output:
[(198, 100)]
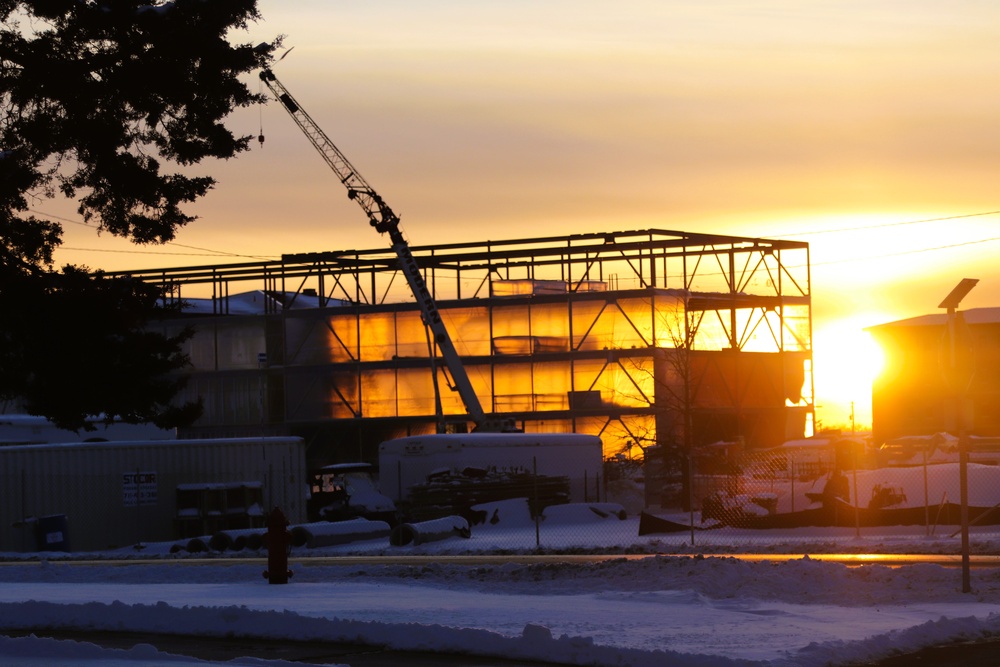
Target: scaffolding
[(634, 336)]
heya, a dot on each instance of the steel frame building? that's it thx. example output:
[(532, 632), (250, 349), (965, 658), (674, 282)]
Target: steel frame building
[(641, 337)]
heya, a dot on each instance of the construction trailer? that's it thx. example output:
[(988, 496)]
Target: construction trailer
[(88, 496), (405, 463)]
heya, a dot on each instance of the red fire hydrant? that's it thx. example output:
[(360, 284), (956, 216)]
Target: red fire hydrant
[(278, 541)]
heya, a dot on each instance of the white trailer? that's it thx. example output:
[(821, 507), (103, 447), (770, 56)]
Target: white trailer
[(407, 462)]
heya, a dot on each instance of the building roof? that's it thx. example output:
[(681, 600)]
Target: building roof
[(255, 302), (971, 316)]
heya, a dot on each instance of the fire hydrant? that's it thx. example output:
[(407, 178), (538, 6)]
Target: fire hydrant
[(278, 541)]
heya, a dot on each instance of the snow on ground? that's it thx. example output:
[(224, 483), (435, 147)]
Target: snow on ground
[(685, 610)]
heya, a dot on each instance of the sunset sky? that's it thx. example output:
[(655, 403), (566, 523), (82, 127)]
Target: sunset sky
[(869, 129)]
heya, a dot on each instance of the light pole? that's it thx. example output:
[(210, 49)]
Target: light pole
[(959, 386)]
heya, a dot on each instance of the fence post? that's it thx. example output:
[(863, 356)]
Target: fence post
[(927, 500), (534, 493), (963, 489), (857, 498), (690, 462), (793, 483), (24, 508)]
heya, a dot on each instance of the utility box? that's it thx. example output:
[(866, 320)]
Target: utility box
[(52, 533)]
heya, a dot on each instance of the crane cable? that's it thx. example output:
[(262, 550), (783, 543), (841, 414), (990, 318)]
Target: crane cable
[(260, 91)]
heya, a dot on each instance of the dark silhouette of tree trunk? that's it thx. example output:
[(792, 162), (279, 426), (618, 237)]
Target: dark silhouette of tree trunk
[(669, 450)]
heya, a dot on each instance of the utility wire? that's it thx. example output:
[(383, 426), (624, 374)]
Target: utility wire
[(208, 252), (890, 224), (905, 252), (204, 252)]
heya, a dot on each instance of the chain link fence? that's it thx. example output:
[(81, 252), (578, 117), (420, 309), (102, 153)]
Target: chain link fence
[(787, 500), (793, 499)]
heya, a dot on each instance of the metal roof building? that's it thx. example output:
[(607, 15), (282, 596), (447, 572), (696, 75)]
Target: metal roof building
[(917, 392)]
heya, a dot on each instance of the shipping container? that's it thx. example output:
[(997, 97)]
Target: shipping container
[(88, 496)]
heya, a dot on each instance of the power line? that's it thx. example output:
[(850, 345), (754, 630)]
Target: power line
[(208, 252), (204, 252), (906, 252), (949, 246), (891, 224)]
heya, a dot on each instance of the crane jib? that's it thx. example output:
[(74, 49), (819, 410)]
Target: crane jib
[(386, 221), (289, 103), (417, 284)]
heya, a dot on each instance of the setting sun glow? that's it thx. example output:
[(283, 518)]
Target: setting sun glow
[(864, 131), (845, 360)]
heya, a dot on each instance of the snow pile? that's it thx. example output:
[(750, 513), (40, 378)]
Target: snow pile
[(686, 611)]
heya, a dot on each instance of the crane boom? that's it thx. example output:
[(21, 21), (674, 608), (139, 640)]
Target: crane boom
[(385, 221)]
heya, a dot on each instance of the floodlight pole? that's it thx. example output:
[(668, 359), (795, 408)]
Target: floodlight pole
[(951, 304)]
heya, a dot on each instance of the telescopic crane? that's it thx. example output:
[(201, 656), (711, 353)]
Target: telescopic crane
[(385, 221)]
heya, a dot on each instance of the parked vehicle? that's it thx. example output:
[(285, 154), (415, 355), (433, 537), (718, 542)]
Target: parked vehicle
[(345, 491)]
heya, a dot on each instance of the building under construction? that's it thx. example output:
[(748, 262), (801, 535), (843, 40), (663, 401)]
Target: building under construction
[(644, 338)]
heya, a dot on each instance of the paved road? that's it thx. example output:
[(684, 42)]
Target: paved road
[(223, 649), (892, 560), (978, 654)]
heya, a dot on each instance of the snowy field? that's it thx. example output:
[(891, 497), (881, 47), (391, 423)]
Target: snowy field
[(696, 607)]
